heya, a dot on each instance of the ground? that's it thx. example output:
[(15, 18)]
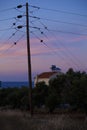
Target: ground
[(17, 120)]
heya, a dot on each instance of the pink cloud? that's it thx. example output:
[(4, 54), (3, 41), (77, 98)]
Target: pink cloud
[(37, 47)]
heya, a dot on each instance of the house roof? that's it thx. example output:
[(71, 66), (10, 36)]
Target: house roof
[(46, 74)]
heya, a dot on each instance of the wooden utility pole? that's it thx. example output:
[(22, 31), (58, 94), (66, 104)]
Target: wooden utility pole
[(29, 60)]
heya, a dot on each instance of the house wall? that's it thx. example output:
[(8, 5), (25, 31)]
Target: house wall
[(46, 80), (54, 76), (37, 80)]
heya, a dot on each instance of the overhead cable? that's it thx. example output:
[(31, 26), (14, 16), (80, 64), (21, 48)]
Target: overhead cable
[(60, 11)]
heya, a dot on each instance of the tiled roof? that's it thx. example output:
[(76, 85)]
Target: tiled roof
[(46, 74)]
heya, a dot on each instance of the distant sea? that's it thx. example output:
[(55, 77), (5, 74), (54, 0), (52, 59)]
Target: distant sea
[(15, 84)]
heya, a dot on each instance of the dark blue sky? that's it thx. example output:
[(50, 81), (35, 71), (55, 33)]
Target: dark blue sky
[(63, 29)]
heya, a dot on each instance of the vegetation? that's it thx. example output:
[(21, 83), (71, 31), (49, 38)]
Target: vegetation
[(16, 120), (66, 90), (14, 98)]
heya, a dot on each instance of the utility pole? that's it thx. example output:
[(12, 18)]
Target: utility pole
[(29, 60)]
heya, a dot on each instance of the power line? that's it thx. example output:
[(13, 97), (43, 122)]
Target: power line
[(8, 9), (69, 32), (5, 29), (45, 27), (60, 31), (61, 43), (52, 50), (4, 10), (4, 51), (40, 39), (7, 19), (8, 39), (64, 22), (58, 21), (19, 10), (10, 19), (12, 27), (60, 11), (20, 38), (73, 58)]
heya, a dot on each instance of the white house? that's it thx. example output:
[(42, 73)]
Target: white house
[(46, 76)]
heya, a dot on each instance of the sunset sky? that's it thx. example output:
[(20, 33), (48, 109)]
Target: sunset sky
[(61, 25)]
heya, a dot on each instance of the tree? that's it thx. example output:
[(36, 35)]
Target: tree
[(39, 94), (76, 92), (51, 102), (57, 85)]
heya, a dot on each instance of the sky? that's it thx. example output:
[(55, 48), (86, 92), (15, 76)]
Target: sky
[(58, 36)]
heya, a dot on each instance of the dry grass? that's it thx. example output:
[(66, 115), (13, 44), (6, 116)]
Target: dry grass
[(16, 120)]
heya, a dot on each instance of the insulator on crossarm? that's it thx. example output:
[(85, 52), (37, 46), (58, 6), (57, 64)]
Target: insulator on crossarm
[(19, 6), (19, 16), (41, 40), (13, 34), (15, 43), (45, 27), (14, 24), (41, 32), (19, 27)]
